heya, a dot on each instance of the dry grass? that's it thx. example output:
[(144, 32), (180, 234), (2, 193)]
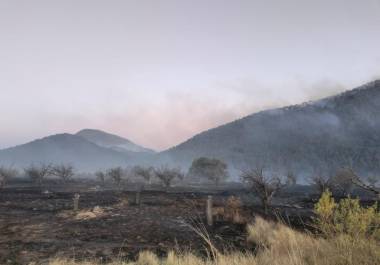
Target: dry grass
[(233, 211), (84, 214), (277, 245), (281, 245)]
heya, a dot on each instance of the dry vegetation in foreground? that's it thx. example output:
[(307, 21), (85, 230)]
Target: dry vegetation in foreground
[(277, 244)]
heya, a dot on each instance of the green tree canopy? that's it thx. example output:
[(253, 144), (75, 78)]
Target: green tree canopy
[(212, 169)]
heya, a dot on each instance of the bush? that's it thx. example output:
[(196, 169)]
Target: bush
[(346, 217), (232, 210), (325, 211)]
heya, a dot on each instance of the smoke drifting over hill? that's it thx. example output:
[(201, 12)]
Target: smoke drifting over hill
[(321, 135)]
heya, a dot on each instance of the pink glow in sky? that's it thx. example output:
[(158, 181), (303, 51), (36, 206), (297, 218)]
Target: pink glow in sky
[(158, 72)]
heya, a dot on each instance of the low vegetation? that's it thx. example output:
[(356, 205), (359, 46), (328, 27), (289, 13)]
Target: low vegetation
[(347, 217)]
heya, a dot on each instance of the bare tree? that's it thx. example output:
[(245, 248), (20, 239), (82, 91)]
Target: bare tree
[(372, 180), (38, 173), (213, 169), (101, 176), (357, 180), (167, 175), (64, 172), (6, 174), (341, 183), (146, 173), (321, 182), (263, 186), (291, 179), (116, 174)]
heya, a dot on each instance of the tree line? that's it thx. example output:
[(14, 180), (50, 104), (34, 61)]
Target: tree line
[(259, 180)]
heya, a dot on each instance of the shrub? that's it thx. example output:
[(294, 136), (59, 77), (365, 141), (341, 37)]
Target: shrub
[(325, 212), (233, 210), (346, 217)]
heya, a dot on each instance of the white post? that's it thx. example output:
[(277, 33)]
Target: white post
[(76, 202), (209, 210), (138, 198)]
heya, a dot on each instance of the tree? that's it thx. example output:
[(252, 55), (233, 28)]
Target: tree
[(167, 175), (356, 180), (213, 169), (6, 174), (372, 180), (38, 173), (321, 182), (146, 173), (341, 183), (265, 187), (291, 179), (101, 176), (116, 174), (65, 172)]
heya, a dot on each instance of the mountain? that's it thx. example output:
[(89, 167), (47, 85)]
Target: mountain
[(111, 141), (65, 148), (312, 137), (318, 136)]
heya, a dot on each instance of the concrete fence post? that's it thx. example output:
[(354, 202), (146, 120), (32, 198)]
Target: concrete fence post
[(138, 197), (209, 211), (76, 202)]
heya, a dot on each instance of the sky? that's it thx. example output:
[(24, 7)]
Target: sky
[(158, 72)]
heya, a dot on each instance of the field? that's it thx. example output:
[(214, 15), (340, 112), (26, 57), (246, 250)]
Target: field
[(37, 225)]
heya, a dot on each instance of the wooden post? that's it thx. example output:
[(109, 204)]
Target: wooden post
[(209, 210), (76, 202), (138, 197)]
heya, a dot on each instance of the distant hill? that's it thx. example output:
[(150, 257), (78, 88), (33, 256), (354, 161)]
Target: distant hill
[(314, 136), (111, 141), (65, 148), (317, 136)]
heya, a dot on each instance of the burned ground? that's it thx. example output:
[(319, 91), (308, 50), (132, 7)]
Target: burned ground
[(37, 225)]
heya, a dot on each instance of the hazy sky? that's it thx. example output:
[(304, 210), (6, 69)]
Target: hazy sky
[(158, 72)]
